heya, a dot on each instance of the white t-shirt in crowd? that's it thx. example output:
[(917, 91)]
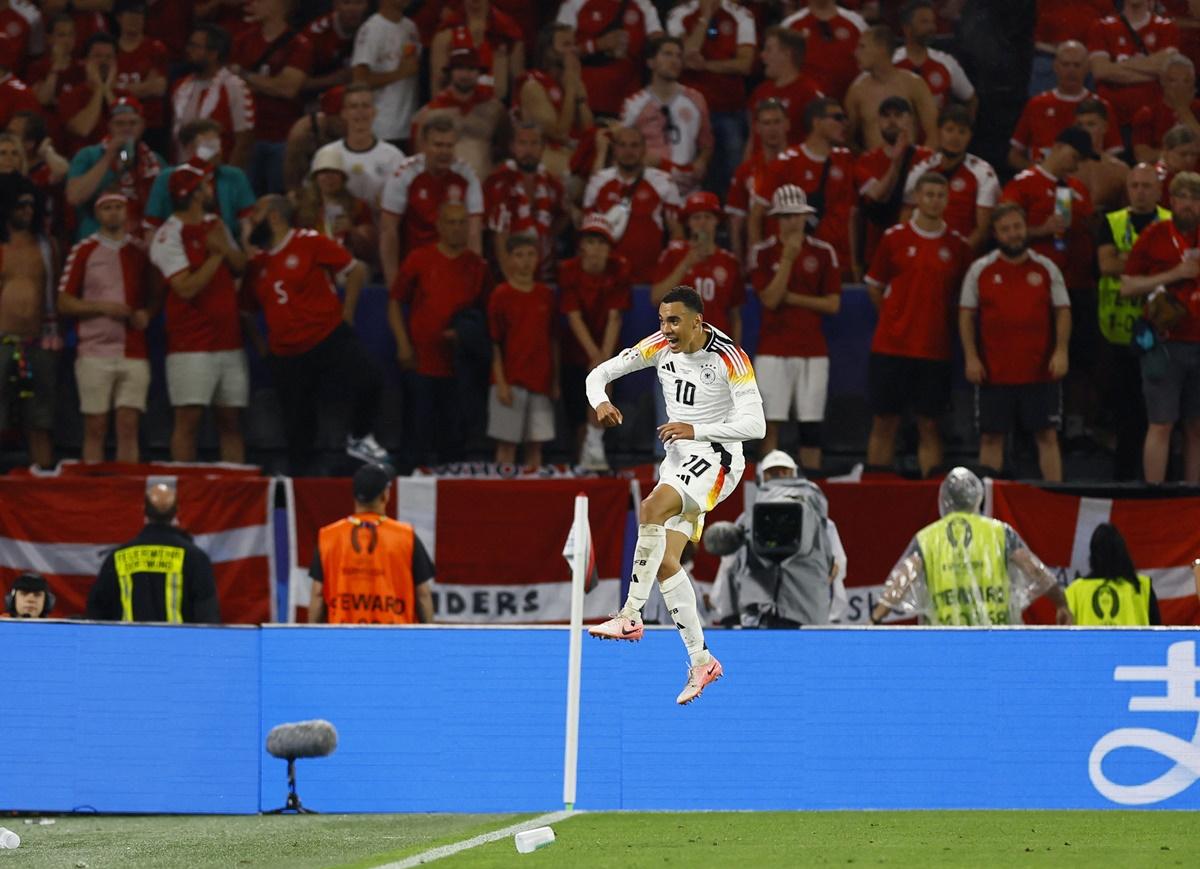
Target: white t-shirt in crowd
[(380, 46), (366, 171)]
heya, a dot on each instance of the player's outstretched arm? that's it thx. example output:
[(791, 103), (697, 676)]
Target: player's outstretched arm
[(746, 422), (629, 360)]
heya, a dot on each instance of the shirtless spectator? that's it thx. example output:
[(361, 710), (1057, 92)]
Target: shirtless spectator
[(523, 198), (494, 36), (142, 69), (824, 169), (205, 360), (641, 203), (473, 107), (387, 58), (611, 38), (1177, 106), (1050, 112), (939, 70), (771, 130), (1128, 54), (412, 197), (368, 159), (209, 89), (782, 59), (880, 80), (974, 187), (332, 38), (831, 36), (28, 349), (553, 96), (104, 286), (672, 118), (1104, 178)]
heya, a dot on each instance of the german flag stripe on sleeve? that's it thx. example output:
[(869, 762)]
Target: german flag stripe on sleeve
[(736, 362), (651, 345)]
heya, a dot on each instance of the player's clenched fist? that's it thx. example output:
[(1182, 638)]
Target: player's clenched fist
[(607, 415)]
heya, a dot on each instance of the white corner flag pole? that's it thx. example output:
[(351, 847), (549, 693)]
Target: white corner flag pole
[(579, 566)]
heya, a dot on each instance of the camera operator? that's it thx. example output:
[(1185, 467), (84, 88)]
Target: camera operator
[(29, 598), (779, 574)]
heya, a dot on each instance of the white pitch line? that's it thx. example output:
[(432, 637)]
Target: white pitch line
[(482, 839)]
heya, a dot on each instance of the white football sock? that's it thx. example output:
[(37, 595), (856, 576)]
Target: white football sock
[(594, 439), (647, 556), (680, 598)]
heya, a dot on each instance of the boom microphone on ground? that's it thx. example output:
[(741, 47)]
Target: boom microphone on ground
[(315, 738)]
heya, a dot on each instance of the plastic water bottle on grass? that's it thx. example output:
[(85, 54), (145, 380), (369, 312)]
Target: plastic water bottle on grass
[(9, 841)]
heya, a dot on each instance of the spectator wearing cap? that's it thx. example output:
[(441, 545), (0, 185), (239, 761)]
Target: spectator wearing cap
[(673, 118), (210, 89), (161, 575), (881, 174), (719, 39), (369, 160), (880, 80), (523, 198), (15, 95), (771, 127), (104, 286), (332, 38), (1055, 232), (206, 364), (782, 58), (974, 187), (142, 69), (474, 108), (367, 568), (595, 291), (29, 597), (201, 143), (640, 202), (387, 58), (412, 196), (495, 37), (327, 206), (553, 95), (120, 162), (824, 169), (273, 60), (698, 262), (798, 281), (1050, 112)]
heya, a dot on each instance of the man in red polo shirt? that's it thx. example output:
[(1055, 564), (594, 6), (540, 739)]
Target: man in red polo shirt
[(413, 196), (782, 57), (435, 283), (611, 36), (831, 37), (316, 358), (1128, 52), (798, 281), (914, 282), (1014, 318), (1165, 262), (712, 271), (205, 360)]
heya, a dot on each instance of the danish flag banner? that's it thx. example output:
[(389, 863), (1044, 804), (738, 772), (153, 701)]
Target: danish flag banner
[(1163, 535), (496, 545), (64, 527)]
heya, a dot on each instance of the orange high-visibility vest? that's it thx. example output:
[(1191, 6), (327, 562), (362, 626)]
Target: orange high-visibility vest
[(366, 562)]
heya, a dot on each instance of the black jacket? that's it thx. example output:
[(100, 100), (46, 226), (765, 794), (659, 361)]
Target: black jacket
[(165, 576)]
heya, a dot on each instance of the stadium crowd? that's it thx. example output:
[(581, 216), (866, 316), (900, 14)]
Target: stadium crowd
[(509, 170)]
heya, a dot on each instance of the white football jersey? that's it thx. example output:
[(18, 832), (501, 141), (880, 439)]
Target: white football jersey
[(713, 388)]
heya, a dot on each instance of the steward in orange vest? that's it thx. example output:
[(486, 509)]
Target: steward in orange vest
[(369, 569)]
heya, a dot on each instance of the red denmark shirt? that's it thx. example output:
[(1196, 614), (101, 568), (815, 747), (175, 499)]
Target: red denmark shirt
[(795, 96), (790, 330), (1035, 190), (717, 278), (1048, 114), (523, 323), (1109, 36), (798, 166), (274, 116), (436, 287), (593, 296), (1160, 248)]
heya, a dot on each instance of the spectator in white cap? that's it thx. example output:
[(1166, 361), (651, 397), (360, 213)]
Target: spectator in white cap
[(594, 293), (104, 286), (327, 205), (797, 278)]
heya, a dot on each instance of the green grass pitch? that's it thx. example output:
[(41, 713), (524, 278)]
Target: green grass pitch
[(741, 840)]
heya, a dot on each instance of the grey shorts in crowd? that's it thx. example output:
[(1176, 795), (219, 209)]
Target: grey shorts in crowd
[(1171, 384)]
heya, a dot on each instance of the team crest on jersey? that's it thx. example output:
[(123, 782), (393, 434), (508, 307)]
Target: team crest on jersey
[(958, 185), (836, 173), (804, 32), (642, 194), (935, 79), (13, 29), (291, 262), (842, 33), (708, 375), (726, 28), (944, 254), (454, 194), (632, 17), (996, 279), (597, 15), (912, 250), (1050, 112), (719, 274), (810, 264), (422, 193), (1034, 278), (1149, 39), (685, 114)]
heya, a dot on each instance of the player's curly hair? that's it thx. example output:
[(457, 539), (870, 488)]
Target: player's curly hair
[(687, 295)]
